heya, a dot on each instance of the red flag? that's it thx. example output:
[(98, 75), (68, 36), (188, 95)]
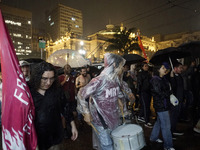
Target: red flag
[(141, 47), (18, 131)]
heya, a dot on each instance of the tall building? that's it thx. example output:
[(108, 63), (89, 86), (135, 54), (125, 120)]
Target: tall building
[(62, 20), (19, 24)]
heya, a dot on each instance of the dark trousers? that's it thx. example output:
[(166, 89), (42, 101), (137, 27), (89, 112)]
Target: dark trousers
[(145, 101), (174, 115)]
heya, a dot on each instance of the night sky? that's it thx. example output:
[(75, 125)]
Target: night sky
[(150, 16)]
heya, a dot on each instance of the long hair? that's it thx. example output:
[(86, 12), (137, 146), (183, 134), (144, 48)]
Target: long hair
[(36, 75)]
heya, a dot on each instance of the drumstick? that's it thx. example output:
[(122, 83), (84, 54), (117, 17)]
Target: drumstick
[(94, 128), (90, 123), (121, 108)]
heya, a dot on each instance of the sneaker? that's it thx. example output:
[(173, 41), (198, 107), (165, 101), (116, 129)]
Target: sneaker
[(196, 129), (173, 137), (141, 119), (159, 141), (148, 125), (178, 133), (169, 148)]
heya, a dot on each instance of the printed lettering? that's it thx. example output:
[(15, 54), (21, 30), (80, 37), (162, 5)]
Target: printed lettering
[(19, 97)]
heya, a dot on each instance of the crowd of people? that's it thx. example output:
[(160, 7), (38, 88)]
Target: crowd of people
[(101, 98)]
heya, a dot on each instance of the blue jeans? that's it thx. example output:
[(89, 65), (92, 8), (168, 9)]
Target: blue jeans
[(163, 123), (104, 138)]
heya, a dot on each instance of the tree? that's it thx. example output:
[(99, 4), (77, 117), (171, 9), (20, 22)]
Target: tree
[(123, 41)]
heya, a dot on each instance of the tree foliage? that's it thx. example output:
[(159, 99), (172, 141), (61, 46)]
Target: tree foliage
[(123, 42)]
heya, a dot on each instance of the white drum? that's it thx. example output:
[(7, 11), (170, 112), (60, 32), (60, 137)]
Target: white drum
[(128, 137)]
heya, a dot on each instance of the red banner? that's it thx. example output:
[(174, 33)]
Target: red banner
[(141, 47), (18, 131)]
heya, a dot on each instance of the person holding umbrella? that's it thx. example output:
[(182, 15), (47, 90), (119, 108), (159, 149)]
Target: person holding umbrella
[(160, 90)]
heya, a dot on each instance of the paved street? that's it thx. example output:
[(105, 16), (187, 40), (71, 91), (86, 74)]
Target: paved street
[(189, 141)]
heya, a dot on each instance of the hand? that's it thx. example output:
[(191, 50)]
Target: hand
[(87, 118), (131, 97), (74, 131)]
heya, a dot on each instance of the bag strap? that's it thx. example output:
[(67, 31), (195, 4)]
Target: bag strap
[(105, 126)]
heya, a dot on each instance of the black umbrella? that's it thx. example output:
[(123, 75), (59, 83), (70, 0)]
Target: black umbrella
[(164, 55), (34, 60), (192, 47), (133, 58)]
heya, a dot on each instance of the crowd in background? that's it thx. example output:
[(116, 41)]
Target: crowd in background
[(56, 95)]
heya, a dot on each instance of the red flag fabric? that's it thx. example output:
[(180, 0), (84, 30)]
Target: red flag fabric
[(18, 131), (141, 47)]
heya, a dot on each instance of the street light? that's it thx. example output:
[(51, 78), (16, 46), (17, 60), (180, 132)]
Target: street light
[(82, 52), (81, 43)]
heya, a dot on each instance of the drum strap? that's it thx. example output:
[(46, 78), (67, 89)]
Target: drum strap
[(105, 126)]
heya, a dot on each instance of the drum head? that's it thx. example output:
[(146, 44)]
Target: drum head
[(126, 130)]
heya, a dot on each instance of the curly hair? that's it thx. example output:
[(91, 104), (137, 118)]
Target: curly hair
[(36, 75)]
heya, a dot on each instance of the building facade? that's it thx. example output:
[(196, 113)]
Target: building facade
[(96, 44), (19, 24), (62, 20)]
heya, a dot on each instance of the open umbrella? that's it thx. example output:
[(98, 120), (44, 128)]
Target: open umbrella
[(133, 58), (167, 54), (34, 60), (192, 47), (67, 56)]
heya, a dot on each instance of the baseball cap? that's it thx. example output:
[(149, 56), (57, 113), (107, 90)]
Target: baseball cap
[(23, 63)]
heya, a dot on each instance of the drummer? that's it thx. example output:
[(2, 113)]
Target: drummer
[(104, 90)]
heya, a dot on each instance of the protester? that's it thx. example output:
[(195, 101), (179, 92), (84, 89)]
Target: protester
[(187, 73), (104, 90), (144, 91), (83, 79), (67, 82), (49, 102), (161, 102), (133, 74), (177, 86), (25, 66)]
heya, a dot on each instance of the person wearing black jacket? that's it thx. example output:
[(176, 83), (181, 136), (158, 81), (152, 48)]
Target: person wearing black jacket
[(144, 92), (160, 90), (49, 101), (177, 85)]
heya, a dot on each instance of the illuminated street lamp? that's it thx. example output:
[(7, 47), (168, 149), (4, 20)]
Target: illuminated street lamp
[(82, 52), (81, 43)]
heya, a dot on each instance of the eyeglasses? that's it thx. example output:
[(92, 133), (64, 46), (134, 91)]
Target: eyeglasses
[(44, 79)]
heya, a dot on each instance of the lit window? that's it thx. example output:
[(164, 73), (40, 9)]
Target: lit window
[(77, 26), (19, 43), (51, 23), (19, 47), (49, 18), (27, 47), (29, 22), (13, 22), (29, 51), (17, 35), (73, 19)]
